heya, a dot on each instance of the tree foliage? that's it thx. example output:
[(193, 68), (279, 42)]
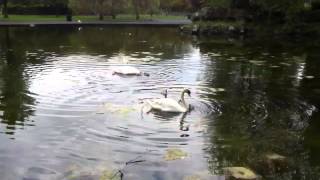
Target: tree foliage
[(98, 7), (175, 5), (5, 9)]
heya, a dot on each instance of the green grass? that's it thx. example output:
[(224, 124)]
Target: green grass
[(53, 18)]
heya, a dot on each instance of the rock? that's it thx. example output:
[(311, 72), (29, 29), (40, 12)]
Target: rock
[(175, 154), (272, 163), (240, 173)]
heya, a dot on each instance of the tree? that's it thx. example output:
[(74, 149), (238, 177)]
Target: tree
[(153, 7), (116, 6), (98, 7), (145, 6), (59, 5), (196, 4), (287, 8), (5, 9), (136, 5), (83, 6), (218, 3)]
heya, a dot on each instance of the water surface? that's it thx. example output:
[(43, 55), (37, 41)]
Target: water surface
[(63, 114)]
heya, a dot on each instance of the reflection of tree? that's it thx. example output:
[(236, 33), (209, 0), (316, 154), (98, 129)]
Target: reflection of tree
[(262, 110), (23, 47), (14, 102), (129, 40), (312, 68)]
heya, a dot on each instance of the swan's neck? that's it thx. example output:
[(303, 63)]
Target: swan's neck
[(183, 101)]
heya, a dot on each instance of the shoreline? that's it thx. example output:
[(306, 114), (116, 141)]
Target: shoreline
[(174, 23)]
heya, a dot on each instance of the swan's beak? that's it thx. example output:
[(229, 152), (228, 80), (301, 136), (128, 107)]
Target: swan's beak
[(189, 93)]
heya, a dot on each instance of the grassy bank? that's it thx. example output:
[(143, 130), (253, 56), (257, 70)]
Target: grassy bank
[(53, 18)]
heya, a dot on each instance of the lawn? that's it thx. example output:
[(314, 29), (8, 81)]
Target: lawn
[(51, 18)]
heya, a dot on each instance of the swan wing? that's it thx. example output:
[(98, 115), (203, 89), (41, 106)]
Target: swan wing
[(166, 104), (127, 70)]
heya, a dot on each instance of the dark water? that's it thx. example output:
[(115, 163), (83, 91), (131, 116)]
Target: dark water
[(63, 115)]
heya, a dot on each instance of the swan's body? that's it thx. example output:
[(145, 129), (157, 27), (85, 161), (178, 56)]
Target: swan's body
[(168, 104), (128, 70)]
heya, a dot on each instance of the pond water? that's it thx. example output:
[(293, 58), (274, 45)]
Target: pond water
[(64, 115)]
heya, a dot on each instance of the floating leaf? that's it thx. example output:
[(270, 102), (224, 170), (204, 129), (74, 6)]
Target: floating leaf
[(201, 175), (275, 157), (309, 77), (175, 154), (231, 59), (240, 173), (285, 64), (90, 173), (257, 62), (116, 109), (110, 175), (216, 89), (214, 54), (193, 177)]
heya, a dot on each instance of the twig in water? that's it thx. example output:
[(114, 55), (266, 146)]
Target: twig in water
[(120, 171)]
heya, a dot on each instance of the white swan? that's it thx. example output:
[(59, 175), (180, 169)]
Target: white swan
[(128, 70), (168, 104)]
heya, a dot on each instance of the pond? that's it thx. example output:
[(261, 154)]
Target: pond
[(65, 115)]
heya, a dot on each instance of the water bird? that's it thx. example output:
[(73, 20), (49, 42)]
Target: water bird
[(128, 71), (169, 105), (164, 93)]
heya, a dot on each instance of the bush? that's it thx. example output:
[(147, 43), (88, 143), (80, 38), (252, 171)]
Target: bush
[(37, 9), (212, 14), (315, 5), (312, 16)]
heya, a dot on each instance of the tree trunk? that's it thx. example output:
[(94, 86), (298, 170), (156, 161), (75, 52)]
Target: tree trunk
[(101, 16), (136, 9), (113, 14), (5, 9), (68, 14), (100, 10)]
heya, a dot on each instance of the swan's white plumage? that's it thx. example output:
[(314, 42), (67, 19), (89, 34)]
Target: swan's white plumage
[(126, 70), (166, 105)]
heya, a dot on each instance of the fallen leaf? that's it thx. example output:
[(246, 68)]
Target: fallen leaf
[(275, 156)]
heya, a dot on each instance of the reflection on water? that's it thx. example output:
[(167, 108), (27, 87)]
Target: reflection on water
[(64, 114)]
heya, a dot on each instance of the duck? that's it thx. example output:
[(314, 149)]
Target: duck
[(128, 71), (170, 105)]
